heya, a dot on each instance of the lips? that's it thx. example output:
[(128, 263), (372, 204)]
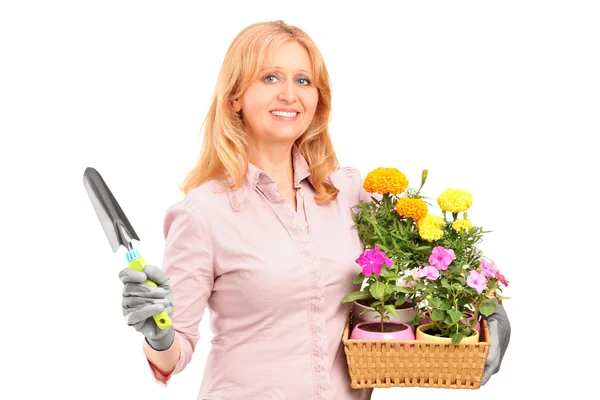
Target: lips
[(286, 110), (285, 116)]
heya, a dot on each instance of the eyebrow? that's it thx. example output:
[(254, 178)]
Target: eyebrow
[(280, 68)]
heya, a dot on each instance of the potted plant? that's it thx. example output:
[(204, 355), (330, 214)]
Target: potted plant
[(380, 291), (456, 284), (435, 263), (380, 226)]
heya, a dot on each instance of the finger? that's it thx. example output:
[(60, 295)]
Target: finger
[(490, 369), (155, 274), (486, 376), (128, 275), (494, 352), (137, 302), (493, 357), (143, 313), (144, 291)]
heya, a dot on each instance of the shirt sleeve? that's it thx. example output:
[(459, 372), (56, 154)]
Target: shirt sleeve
[(188, 262), (357, 190)]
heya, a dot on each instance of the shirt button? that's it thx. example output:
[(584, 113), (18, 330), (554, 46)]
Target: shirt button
[(300, 192), (305, 225)]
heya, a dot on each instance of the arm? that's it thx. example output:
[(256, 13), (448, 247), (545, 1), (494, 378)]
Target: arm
[(188, 262), (163, 361)]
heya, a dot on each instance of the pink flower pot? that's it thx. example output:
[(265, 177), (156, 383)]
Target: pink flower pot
[(360, 334), (477, 326)]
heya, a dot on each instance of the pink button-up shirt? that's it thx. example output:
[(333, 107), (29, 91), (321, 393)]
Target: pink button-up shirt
[(273, 279)]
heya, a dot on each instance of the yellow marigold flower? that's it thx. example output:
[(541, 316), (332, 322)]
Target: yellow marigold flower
[(430, 227), (430, 219), (430, 232), (462, 224), (385, 180), (411, 208), (455, 200)]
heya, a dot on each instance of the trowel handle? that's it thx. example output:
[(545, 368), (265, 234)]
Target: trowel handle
[(137, 262)]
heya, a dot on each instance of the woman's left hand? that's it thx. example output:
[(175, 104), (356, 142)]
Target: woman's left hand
[(499, 336)]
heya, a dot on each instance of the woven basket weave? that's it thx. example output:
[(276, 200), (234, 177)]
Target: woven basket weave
[(392, 363)]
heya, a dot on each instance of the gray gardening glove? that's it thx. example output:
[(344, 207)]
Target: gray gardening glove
[(500, 336), (142, 301)]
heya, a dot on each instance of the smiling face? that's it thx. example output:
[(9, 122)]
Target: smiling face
[(280, 105)]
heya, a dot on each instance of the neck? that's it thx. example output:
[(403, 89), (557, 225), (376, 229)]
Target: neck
[(275, 160)]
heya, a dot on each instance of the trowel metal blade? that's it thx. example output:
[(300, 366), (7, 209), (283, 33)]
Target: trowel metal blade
[(116, 226)]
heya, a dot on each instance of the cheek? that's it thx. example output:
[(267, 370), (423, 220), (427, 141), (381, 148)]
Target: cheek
[(310, 102)]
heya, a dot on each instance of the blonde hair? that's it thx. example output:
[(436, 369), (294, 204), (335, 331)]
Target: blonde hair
[(225, 141)]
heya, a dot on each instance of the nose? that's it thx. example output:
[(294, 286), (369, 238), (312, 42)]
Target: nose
[(288, 92)]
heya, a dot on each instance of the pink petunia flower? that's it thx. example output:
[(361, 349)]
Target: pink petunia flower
[(488, 268), (477, 281), (371, 261), (441, 257), (501, 278), (429, 272)]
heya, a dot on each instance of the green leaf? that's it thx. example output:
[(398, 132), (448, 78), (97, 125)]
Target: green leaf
[(487, 307), (437, 315), (435, 302), (382, 247), (377, 290), (359, 279), (446, 284), (385, 272), (456, 338), (404, 289), (391, 309), (356, 296), (455, 315), (445, 306), (401, 299), (389, 289)]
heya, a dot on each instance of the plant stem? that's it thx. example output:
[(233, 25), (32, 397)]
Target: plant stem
[(382, 309)]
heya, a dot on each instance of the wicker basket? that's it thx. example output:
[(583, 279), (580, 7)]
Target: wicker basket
[(392, 363)]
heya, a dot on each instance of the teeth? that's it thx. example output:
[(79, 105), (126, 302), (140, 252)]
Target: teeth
[(284, 113)]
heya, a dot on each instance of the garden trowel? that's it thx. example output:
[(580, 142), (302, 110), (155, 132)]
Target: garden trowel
[(117, 228)]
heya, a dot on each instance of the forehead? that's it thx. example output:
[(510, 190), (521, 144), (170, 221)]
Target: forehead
[(289, 56)]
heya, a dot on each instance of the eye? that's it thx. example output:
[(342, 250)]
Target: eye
[(266, 78), (305, 80)]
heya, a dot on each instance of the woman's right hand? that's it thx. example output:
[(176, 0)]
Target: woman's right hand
[(142, 301)]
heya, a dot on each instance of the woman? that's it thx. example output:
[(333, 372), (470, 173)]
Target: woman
[(263, 236)]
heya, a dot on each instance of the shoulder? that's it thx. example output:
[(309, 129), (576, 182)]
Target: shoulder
[(348, 180), (346, 175), (197, 204)]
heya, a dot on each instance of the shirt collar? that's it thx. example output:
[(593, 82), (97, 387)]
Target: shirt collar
[(255, 177)]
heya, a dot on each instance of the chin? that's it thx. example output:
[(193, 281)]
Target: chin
[(284, 135)]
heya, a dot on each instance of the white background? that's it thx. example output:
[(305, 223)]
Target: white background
[(499, 98)]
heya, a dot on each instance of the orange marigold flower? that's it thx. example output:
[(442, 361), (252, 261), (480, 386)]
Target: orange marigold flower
[(411, 208), (385, 180)]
